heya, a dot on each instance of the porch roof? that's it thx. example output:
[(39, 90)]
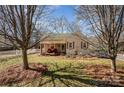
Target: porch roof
[(53, 42)]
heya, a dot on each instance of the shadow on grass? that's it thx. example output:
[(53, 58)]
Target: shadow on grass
[(69, 79)]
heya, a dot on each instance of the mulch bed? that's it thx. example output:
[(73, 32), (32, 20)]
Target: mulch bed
[(103, 73), (16, 74)]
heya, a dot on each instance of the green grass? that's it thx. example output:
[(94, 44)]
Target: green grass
[(62, 72)]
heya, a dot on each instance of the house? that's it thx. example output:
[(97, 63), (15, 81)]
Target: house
[(121, 43), (5, 44), (67, 43)]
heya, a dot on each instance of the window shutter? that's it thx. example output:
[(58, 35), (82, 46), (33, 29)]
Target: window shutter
[(73, 45), (67, 45), (81, 45), (87, 44)]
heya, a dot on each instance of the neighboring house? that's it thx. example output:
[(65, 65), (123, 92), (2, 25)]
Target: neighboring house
[(121, 46), (5, 44), (121, 43), (67, 43)]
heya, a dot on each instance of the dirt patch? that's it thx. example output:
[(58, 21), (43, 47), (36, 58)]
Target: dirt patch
[(17, 74), (103, 73), (97, 69)]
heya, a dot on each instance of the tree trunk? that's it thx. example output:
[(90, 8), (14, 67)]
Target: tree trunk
[(113, 64), (25, 59)]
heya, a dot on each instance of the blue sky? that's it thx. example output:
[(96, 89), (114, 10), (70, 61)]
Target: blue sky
[(68, 12), (64, 10)]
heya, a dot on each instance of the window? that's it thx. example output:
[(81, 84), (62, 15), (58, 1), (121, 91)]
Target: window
[(70, 45), (84, 45)]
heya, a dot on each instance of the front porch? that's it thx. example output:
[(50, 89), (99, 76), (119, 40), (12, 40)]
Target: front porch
[(53, 48)]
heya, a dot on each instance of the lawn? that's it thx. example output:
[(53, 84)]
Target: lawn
[(67, 72)]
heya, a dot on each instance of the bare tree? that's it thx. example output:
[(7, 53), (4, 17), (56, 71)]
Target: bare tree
[(18, 23), (107, 23), (59, 25)]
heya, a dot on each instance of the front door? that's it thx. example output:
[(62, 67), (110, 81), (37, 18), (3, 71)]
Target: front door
[(63, 48)]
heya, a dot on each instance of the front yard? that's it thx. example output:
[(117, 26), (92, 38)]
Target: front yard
[(76, 72)]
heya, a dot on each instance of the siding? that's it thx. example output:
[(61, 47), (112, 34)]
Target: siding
[(76, 41)]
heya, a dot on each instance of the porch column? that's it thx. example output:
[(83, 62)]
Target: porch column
[(40, 49), (53, 44)]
